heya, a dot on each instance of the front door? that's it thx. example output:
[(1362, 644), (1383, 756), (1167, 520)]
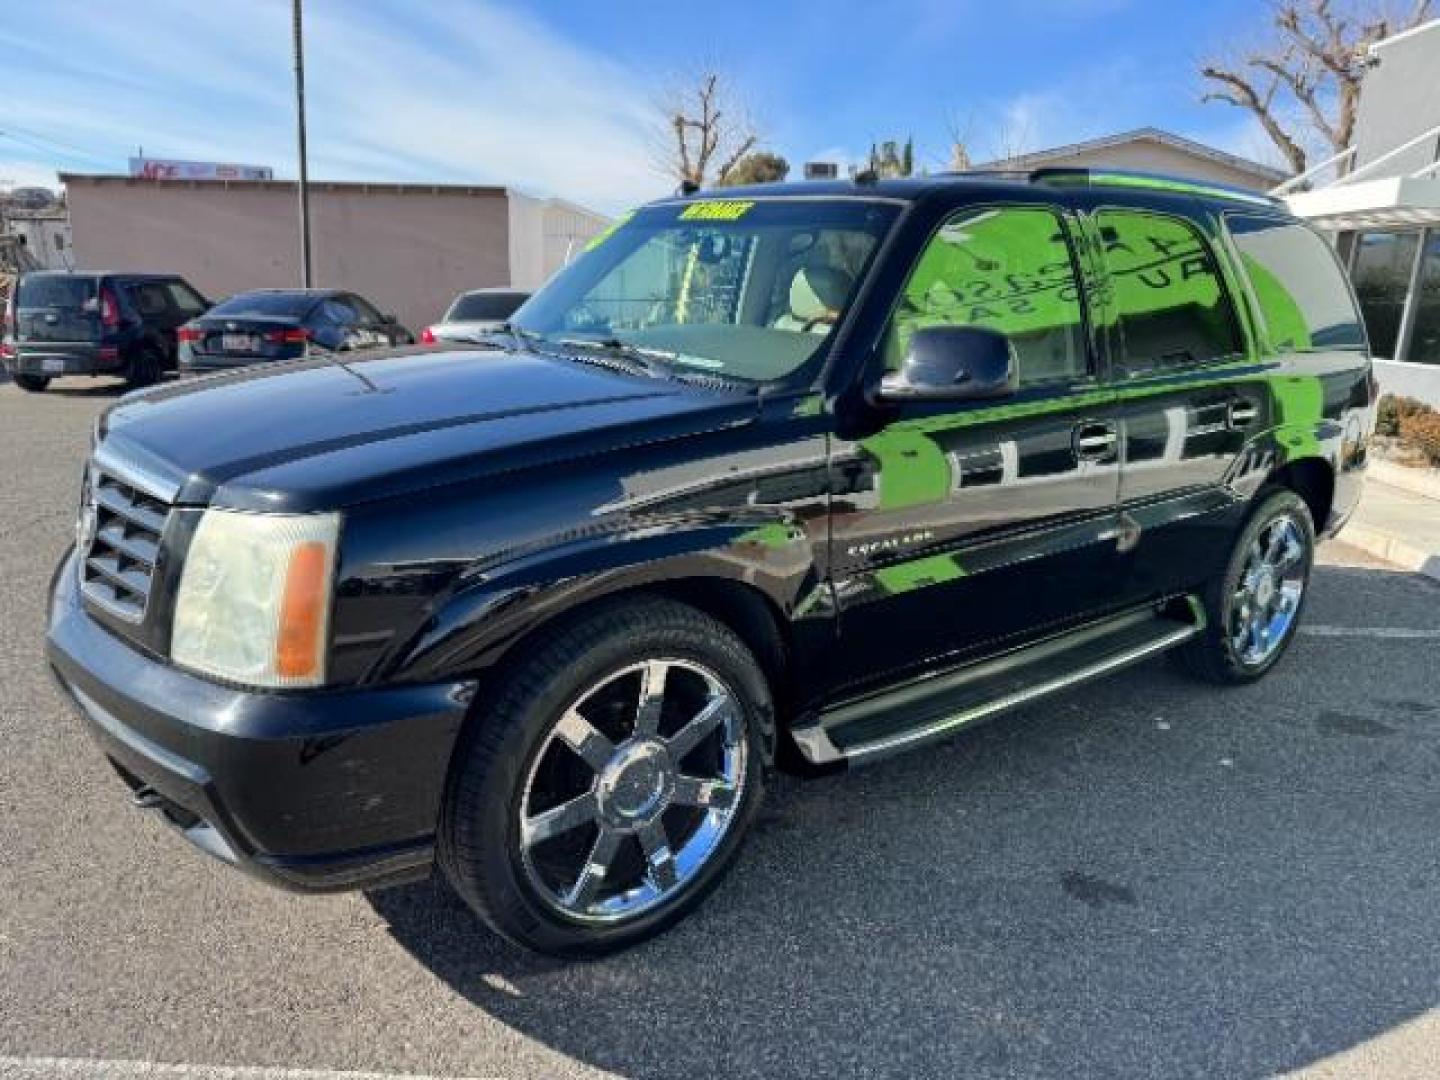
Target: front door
[(957, 526)]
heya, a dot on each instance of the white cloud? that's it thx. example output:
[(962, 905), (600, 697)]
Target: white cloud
[(458, 93), (15, 174)]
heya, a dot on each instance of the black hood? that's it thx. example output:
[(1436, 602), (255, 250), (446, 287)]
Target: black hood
[(320, 434)]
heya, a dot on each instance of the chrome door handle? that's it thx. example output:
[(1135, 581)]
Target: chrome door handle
[(1095, 442), (1242, 413)]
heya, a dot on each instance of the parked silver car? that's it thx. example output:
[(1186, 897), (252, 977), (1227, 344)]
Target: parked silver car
[(474, 314)]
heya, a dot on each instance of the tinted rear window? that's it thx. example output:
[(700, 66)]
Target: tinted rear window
[(1297, 281), (55, 292), (1169, 300), (478, 306), (265, 305)]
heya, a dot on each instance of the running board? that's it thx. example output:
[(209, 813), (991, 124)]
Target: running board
[(939, 705)]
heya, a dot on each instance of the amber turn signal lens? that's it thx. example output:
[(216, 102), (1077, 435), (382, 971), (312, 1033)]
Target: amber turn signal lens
[(300, 644)]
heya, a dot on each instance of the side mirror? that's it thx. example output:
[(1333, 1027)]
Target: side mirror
[(953, 363), (389, 319)]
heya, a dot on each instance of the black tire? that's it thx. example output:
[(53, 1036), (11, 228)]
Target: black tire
[(32, 384), (146, 367), (479, 847), (1213, 656)]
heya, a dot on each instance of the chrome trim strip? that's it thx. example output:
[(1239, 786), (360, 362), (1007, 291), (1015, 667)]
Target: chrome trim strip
[(132, 614), (126, 470), (827, 753)]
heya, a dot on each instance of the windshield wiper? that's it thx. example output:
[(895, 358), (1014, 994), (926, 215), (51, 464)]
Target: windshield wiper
[(524, 338), (653, 362)]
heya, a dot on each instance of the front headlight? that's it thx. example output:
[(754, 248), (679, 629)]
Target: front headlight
[(254, 600)]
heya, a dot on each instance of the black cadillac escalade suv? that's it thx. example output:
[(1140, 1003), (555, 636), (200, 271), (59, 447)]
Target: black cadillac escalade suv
[(791, 479)]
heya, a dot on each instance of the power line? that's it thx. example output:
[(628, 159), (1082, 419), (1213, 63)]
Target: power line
[(15, 131)]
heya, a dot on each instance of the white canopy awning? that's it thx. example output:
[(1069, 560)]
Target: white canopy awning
[(1389, 203)]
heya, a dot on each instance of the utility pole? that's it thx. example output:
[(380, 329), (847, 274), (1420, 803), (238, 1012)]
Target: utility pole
[(299, 42)]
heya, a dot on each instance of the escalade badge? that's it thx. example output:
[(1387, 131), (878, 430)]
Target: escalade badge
[(890, 543)]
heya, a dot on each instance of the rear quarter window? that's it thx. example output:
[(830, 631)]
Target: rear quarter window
[(1297, 284), (186, 300), (55, 292)]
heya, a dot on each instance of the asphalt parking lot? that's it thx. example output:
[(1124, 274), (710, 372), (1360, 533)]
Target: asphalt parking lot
[(1143, 879)]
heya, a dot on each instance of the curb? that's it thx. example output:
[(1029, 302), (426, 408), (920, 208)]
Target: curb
[(1392, 549), (1423, 482)]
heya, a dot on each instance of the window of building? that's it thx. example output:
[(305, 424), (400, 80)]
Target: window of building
[(1170, 306), (1298, 284), (1425, 341), (1005, 269), (1381, 275)]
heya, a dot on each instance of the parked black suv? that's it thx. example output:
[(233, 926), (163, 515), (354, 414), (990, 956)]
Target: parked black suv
[(798, 477), (95, 324)]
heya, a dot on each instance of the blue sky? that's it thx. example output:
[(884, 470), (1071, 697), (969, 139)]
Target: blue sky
[(558, 97)]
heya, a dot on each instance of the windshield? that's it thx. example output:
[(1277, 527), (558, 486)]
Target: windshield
[(737, 288), (265, 304), (476, 307)]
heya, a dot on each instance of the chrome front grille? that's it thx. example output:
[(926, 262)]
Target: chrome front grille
[(121, 527)]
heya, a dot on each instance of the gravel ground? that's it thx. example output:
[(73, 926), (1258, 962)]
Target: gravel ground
[(1145, 878)]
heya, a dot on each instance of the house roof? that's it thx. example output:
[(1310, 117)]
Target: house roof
[(1145, 134)]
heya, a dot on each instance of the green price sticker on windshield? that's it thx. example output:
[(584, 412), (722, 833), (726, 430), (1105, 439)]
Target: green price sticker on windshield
[(716, 210)]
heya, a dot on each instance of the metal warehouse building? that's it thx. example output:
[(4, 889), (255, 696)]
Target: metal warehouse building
[(408, 247)]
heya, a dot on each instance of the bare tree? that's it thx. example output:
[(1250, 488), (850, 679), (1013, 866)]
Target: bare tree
[(960, 137), (1302, 80), (706, 130)]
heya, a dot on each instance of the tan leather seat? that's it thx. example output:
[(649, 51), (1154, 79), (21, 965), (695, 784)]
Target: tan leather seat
[(817, 293)]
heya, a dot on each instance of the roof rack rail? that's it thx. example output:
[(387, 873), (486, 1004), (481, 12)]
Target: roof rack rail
[(1059, 176)]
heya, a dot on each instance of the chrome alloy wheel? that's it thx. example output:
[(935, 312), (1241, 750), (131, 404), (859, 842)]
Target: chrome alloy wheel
[(633, 790), (1267, 596)]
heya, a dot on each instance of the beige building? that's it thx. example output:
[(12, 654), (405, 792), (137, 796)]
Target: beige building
[(1151, 150), (409, 248)]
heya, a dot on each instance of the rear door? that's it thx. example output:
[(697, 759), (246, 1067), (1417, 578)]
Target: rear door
[(959, 525), (164, 305), (57, 308), (1190, 394)]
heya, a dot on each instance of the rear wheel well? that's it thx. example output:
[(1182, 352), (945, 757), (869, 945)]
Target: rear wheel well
[(1314, 481)]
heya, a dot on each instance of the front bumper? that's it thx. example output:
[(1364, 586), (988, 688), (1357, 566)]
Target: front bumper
[(312, 791)]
